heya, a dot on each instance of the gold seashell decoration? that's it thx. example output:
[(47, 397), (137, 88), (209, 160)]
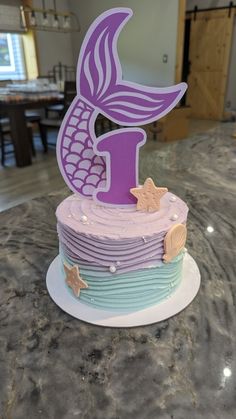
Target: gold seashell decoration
[(174, 241)]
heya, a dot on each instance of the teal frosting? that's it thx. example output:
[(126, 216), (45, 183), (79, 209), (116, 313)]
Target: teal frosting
[(134, 290)]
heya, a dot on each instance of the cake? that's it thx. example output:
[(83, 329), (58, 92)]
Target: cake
[(120, 252), (121, 243)]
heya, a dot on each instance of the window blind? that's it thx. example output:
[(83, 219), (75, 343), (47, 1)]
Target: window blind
[(10, 16)]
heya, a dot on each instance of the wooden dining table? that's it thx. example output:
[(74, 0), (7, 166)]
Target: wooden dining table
[(15, 109)]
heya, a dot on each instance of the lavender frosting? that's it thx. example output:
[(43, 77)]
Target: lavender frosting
[(120, 223), (124, 237), (97, 238)]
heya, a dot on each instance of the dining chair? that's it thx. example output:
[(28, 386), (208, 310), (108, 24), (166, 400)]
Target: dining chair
[(55, 123), (61, 74), (6, 141), (31, 116), (102, 124), (56, 110), (49, 77)]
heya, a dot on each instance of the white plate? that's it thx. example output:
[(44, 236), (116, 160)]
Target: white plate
[(181, 298)]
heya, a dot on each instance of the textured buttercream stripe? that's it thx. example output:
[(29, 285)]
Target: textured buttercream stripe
[(133, 290)]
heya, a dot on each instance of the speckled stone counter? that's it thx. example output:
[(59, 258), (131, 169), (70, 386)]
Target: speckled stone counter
[(55, 367)]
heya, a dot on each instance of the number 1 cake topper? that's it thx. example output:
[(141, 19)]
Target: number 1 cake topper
[(106, 168)]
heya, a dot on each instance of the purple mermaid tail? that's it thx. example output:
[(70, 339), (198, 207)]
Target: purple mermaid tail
[(101, 90)]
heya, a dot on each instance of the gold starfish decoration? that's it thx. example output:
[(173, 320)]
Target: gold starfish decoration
[(148, 196), (74, 280)]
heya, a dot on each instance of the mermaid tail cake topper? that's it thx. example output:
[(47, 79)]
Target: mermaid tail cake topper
[(106, 168)]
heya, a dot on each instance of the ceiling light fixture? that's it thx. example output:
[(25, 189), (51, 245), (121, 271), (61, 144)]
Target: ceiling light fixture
[(32, 19), (49, 19), (55, 20), (45, 21), (66, 22)]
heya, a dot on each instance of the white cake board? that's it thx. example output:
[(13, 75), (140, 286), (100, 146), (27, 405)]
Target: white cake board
[(181, 298)]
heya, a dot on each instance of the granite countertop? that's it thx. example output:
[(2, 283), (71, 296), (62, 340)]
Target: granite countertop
[(54, 366)]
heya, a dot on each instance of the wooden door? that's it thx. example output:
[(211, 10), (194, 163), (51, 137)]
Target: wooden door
[(210, 45)]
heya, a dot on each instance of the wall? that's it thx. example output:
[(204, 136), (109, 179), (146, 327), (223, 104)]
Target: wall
[(230, 99), (53, 47), (151, 32)]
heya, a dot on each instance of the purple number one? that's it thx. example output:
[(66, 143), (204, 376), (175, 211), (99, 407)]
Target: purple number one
[(101, 89), (121, 152)]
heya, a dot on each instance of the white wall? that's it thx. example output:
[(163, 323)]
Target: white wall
[(150, 33), (53, 47)]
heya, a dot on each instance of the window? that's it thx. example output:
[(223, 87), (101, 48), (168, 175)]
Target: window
[(12, 65)]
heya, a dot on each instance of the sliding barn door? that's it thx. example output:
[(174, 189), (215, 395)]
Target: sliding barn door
[(210, 45)]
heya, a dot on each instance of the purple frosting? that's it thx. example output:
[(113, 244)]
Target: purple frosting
[(97, 237)]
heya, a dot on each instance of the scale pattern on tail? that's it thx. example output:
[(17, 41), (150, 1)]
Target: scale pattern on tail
[(84, 170), (101, 89)]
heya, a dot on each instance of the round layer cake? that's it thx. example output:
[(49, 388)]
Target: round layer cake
[(119, 251)]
